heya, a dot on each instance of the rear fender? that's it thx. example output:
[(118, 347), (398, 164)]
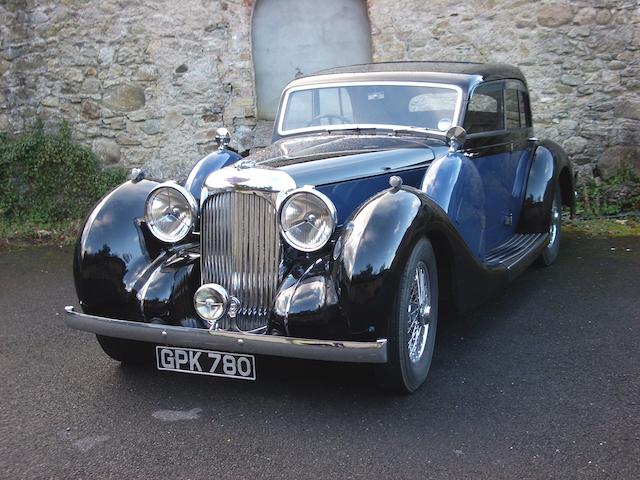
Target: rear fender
[(550, 167)]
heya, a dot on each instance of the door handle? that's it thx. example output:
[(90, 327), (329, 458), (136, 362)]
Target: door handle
[(471, 154)]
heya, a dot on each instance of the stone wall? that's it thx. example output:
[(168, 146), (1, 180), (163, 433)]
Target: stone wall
[(147, 82), (581, 60)]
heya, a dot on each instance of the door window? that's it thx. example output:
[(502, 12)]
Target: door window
[(485, 112)]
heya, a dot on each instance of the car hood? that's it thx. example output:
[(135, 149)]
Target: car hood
[(323, 160)]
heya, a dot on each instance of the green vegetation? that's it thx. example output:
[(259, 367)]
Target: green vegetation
[(608, 208), (47, 185), (603, 227), (617, 194)]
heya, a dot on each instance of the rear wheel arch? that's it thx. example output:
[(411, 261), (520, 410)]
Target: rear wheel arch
[(563, 172), (566, 185)]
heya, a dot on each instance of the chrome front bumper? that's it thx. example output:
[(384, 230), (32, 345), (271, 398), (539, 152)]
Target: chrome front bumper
[(329, 350)]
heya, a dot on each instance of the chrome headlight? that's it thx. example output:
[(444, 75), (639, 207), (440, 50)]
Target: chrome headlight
[(308, 219), (170, 212)]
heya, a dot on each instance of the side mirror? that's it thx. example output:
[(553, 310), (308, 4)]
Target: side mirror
[(222, 138), (456, 136)]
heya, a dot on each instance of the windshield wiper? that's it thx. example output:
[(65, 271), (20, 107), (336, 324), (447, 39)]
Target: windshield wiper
[(397, 131), (357, 129), (390, 130)]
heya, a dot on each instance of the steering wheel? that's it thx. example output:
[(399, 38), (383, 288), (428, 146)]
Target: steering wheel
[(315, 120)]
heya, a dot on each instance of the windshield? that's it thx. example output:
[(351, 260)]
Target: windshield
[(433, 107)]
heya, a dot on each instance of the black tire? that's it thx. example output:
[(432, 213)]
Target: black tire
[(551, 251), (407, 368), (127, 351)]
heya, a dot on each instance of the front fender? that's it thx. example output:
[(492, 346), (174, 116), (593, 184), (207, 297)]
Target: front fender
[(119, 266), (307, 302), (114, 249), (375, 242), (349, 293)]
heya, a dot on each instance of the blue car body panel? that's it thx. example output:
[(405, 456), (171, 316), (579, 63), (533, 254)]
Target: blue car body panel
[(454, 183), (348, 196)]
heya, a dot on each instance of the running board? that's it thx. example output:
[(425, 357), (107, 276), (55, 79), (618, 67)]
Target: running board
[(517, 253)]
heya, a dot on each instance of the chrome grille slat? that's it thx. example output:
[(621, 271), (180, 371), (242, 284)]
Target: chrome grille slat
[(241, 251)]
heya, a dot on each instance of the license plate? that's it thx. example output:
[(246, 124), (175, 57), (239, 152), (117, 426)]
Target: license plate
[(206, 362)]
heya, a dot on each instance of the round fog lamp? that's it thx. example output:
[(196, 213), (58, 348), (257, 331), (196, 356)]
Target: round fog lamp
[(211, 302)]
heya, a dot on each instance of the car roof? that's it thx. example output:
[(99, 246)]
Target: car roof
[(462, 74)]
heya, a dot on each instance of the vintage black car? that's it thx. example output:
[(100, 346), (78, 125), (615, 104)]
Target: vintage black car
[(390, 191)]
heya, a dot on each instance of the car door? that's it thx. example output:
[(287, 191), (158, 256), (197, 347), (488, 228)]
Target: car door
[(491, 147), (518, 125)]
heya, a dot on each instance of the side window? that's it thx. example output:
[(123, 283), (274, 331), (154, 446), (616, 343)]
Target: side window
[(525, 112), (485, 109), (512, 109)]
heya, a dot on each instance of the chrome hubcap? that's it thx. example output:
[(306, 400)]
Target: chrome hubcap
[(555, 222), (419, 313)]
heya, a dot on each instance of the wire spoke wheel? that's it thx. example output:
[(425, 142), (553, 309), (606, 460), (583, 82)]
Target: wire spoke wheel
[(555, 221), (413, 323), (550, 252), (419, 310)]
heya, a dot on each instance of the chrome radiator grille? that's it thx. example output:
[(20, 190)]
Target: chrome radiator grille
[(240, 250)]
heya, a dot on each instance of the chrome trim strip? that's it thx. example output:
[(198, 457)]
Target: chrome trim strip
[(285, 100), (312, 349), (247, 179)]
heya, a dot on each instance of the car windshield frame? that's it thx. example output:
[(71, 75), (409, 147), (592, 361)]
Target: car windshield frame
[(457, 113)]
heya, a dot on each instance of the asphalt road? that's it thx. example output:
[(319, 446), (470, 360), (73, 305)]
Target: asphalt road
[(541, 382)]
